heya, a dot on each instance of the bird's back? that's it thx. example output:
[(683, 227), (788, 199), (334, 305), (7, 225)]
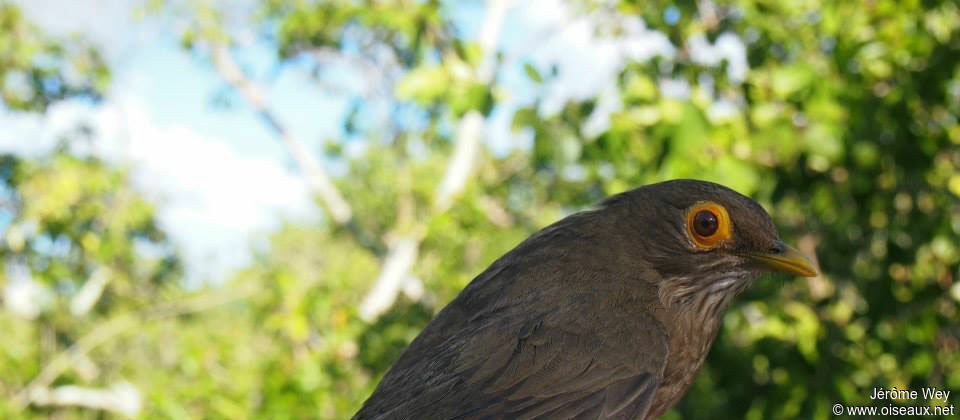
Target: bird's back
[(509, 347)]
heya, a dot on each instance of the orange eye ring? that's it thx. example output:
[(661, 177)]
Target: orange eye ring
[(708, 225)]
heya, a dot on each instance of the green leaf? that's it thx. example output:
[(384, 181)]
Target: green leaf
[(532, 73), (425, 84)]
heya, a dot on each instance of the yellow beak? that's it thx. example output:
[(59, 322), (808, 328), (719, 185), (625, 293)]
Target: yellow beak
[(789, 260)]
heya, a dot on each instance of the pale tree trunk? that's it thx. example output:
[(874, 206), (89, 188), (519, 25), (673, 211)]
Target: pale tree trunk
[(402, 252)]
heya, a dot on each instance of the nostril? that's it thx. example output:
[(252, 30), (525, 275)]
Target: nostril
[(778, 248)]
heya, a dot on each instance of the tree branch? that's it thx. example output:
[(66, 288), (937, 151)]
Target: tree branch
[(90, 293), (114, 327), (122, 398), (400, 259), (376, 73), (320, 183), (402, 253)]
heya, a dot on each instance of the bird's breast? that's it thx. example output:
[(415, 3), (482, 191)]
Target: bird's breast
[(691, 328)]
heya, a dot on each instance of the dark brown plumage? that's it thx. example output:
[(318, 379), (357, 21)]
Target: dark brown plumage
[(606, 314)]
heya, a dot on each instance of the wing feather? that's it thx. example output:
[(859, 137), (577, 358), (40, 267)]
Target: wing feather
[(505, 349)]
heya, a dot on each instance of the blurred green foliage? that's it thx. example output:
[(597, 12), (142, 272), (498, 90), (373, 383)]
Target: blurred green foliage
[(845, 127), (36, 70), (848, 133), (69, 222)]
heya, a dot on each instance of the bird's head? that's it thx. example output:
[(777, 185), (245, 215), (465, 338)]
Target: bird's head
[(703, 238)]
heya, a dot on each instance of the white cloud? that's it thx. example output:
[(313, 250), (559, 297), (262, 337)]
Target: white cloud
[(214, 198), (99, 21), (587, 58)]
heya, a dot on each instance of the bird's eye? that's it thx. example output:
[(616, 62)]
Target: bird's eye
[(705, 223), (708, 224)]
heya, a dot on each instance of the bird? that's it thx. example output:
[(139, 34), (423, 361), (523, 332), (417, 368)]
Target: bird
[(608, 313)]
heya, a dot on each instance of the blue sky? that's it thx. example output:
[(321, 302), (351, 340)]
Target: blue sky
[(220, 177)]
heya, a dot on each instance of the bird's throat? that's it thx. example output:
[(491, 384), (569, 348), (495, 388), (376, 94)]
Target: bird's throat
[(696, 311)]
